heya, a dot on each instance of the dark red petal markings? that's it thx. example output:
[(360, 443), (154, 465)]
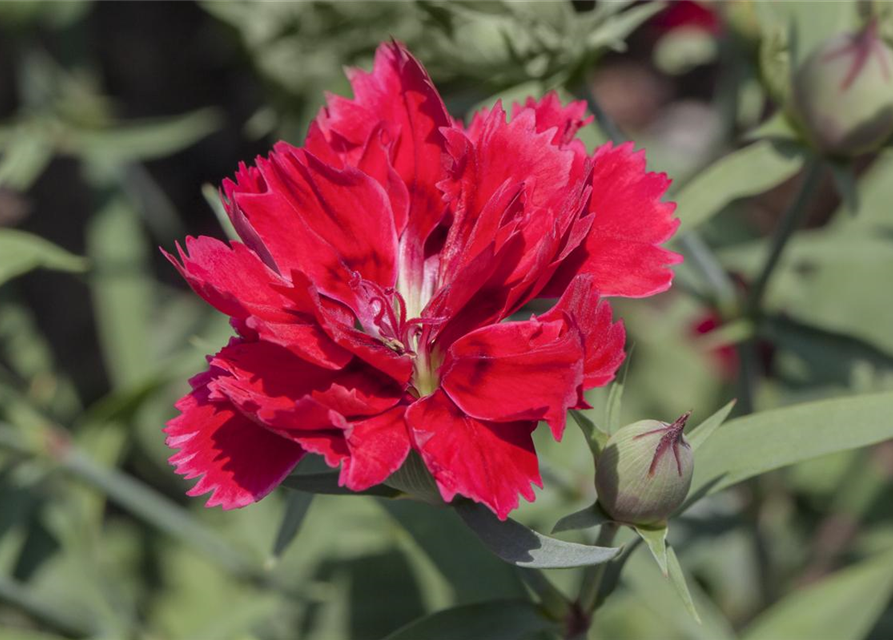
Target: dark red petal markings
[(621, 251), (490, 462), (516, 371), (238, 461)]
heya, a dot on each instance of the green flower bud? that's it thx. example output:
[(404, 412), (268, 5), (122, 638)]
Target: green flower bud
[(644, 473), (843, 94)]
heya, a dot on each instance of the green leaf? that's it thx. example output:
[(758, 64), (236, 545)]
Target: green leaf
[(591, 516), (296, 507), (595, 437), (615, 399), (212, 197), (471, 570), (843, 605), (769, 440), (677, 577), (656, 539), (21, 252), (123, 290), (327, 483), (619, 26), (494, 620), (696, 436), (144, 140), (516, 544), (747, 172), (24, 158)]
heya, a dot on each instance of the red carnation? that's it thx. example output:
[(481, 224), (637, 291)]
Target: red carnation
[(379, 261)]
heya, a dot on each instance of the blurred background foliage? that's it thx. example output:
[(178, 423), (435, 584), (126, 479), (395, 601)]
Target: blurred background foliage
[(119, 120)]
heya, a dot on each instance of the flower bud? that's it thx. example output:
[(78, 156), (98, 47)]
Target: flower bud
[(644, 473), (843, 94)]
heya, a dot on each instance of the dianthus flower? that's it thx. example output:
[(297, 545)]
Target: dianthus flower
[(377, 265)]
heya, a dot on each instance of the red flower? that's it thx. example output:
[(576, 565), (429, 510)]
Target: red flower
[(379, 261)]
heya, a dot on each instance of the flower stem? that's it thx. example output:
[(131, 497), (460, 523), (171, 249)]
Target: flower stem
[(554, 602), (791, 219), (588, 599)]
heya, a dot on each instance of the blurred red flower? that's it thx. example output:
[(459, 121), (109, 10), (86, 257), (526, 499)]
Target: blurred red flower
[(377, 265)]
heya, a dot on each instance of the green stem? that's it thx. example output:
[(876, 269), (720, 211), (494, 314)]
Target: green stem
[(605, 123), (43, 611), (554, 602), (142, 501), (791, 219), (705, 261), (592, 578)]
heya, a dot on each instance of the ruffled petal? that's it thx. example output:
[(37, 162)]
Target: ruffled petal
[(621, 251), (377, 446), (290, 394), (237, 460), (328, 223), (603, 340), (307, 340), (232, 279), (516, 371), (349, 417), (490, 462), (566, 120)]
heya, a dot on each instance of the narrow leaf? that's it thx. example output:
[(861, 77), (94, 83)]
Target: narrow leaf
[(327, 483), (296, 508), (21, 252), (595, 437), (516, 544), (591, 516), (747, 172), (212, 197), (144, 140), (769, 440), (123, 290), (613, 404), (656, 539), (843, 605), (677, 577), (698, 435), (494, 620)]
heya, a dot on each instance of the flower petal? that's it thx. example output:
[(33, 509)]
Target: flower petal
[(398, 94), (567, 120), (602, 340), (622, 251), (238, 461), (326, 222), (516, 371), (378, 446), (267, 381), (232, 279), (489, 462)]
